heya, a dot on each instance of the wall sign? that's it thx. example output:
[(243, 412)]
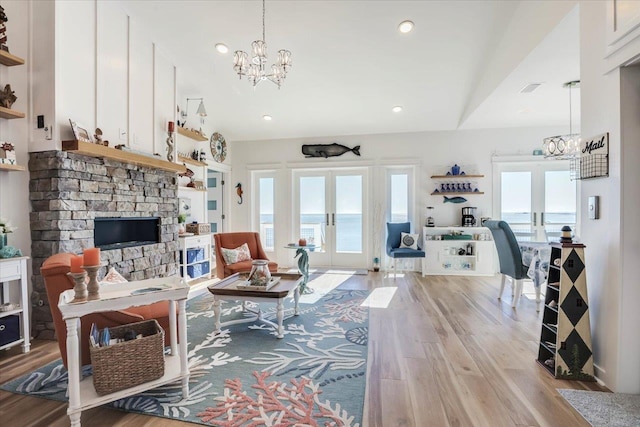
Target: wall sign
[(593, 161)]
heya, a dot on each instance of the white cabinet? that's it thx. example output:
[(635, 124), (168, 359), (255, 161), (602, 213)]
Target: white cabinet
[(470, 257), (195, 257), (14, 323)]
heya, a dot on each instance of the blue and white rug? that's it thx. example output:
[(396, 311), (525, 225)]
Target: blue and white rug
[(245, 376)]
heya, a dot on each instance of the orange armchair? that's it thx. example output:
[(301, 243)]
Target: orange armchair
[(232, 241), (54, 271)]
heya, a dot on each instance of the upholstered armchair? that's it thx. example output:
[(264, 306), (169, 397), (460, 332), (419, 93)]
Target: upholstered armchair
[(510, 257), (54, 271), (235, 240), (394, 240)]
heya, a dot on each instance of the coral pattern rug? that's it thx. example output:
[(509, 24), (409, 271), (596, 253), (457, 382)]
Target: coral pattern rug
[(245, 376)]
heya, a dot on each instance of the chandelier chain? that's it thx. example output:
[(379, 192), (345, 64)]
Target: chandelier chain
[(264, 39)]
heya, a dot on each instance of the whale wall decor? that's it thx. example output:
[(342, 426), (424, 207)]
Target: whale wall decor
[(328, 150)]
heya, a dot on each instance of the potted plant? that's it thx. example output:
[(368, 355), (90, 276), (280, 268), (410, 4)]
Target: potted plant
[(182, 218), (5, 228)]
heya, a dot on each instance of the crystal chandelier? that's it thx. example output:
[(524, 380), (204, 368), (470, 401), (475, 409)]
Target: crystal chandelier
[(256, 70), (563, 146)]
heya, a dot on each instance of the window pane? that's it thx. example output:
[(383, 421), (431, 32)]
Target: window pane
[(516, 203), (265, 188), (560, 203), (312, 210), (349, 213), (399, 198)]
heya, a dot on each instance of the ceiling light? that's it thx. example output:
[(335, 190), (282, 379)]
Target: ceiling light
[(267, 117), (222, 48), (405, 27), (563, 146), (256, 71), (397, 109)]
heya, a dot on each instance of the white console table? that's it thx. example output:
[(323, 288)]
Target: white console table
[(13, 273), (82, 394), (442, 258)]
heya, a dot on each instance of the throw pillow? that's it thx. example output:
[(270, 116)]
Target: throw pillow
[(113, 276), (408, 240), (241, 253)]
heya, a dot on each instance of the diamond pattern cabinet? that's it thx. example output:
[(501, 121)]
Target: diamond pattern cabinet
[(565, 339)]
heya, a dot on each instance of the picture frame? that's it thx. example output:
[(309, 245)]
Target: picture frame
[(80, 133)]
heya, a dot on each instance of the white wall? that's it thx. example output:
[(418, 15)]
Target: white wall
[(432, 152)]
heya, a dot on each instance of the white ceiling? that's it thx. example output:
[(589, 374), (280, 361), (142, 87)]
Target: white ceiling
[(351, 65)]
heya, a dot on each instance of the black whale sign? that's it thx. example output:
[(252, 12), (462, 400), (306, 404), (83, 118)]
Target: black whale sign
[(328, 150), (597, 145)]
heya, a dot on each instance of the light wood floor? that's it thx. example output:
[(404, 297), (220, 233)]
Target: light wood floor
[(443, 352)]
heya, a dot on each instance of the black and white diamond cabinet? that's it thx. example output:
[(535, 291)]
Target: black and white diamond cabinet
[(565, 339)]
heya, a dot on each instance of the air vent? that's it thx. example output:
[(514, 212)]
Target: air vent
[(530, 87)]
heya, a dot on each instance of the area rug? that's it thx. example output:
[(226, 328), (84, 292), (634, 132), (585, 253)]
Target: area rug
[(602, 409), (246, 376)]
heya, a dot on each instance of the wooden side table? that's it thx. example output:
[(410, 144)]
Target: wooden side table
[(82, 394)]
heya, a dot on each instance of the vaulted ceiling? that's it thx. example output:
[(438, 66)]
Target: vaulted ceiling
[(462, 66)]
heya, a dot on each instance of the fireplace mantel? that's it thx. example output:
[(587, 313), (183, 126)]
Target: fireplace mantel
[(100, 151)]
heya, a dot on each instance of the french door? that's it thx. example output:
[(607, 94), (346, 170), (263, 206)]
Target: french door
[(329, 213), (536, 198)]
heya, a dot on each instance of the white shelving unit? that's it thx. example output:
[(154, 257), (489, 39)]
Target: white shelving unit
[(188, 243), (13, 278), (443, 257)]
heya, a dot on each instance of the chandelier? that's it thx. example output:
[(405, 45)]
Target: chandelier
[(256, 70), (563, 146)]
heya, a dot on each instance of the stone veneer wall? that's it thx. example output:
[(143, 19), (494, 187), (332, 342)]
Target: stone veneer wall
[(67, 191)]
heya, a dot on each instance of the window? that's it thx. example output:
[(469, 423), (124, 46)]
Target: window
[(264, 218)]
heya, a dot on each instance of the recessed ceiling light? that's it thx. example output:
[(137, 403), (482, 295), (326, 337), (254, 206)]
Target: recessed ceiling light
[(397, 108), (222, 48), (405, 26), (267, 117)]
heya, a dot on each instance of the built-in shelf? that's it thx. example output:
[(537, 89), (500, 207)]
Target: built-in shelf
[(10, 60), (7, 167), (440, 193), (192, 161), (192, 188), (456, 176), (191, 134), (7, 113), (100, 151)]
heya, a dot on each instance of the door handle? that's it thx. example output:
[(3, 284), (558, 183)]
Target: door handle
[(327, 219), (541, 218), (535, 219), (333, 219)]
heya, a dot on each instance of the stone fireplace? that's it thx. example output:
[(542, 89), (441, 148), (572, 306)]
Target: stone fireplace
[(70, 192)]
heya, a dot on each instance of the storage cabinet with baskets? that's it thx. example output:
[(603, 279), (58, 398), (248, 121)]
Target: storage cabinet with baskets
[(565, 339), (195, 256), (14, 316)]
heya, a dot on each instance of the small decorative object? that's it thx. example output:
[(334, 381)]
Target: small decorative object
[(203, 156), (376, 264), (239, 192), (79, 277), (328, 150), (170, 143), (7, 97), (218, 147), (93, 287), (3, 29), (79, 132), (430, 221), (7, 151), (260, 274), (456, 199), (455, 170), (566, 234), (195, 155), (5, 228), (302, 242), (98, 136), (182, 218), (7, 307)]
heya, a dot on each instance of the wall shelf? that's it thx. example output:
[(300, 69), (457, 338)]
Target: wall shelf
[(100, 151), (7, 113), (456, 176), (191, 188), (191, 134), (192, 162), (10, 60), (11, 168), (439, 193)]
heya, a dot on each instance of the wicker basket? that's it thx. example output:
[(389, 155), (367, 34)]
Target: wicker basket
[(200, 228), (129, 363)]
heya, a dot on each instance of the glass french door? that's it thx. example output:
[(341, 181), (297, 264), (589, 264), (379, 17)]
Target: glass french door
[(536, 198), (329, 213)]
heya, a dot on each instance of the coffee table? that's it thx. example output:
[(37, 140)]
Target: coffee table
[(226, 290)]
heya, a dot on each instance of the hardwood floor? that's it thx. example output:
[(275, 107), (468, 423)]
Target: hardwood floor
[(443, 351)]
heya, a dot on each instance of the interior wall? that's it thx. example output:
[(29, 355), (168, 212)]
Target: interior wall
[(433, 153)]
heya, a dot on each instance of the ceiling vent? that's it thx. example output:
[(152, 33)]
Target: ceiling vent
[(530, 87)]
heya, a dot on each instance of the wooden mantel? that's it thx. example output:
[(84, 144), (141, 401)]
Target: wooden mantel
[(100, 151)]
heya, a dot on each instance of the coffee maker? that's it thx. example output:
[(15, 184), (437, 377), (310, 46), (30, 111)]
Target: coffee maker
[(469, 217)]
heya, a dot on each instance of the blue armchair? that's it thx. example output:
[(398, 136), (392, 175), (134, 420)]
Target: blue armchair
[(509, 255), (394, 230)]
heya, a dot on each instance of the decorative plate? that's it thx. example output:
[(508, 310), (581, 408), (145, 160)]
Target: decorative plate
[(218, 147)]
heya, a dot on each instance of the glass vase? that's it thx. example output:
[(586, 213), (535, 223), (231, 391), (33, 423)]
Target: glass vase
[(3, 240)]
